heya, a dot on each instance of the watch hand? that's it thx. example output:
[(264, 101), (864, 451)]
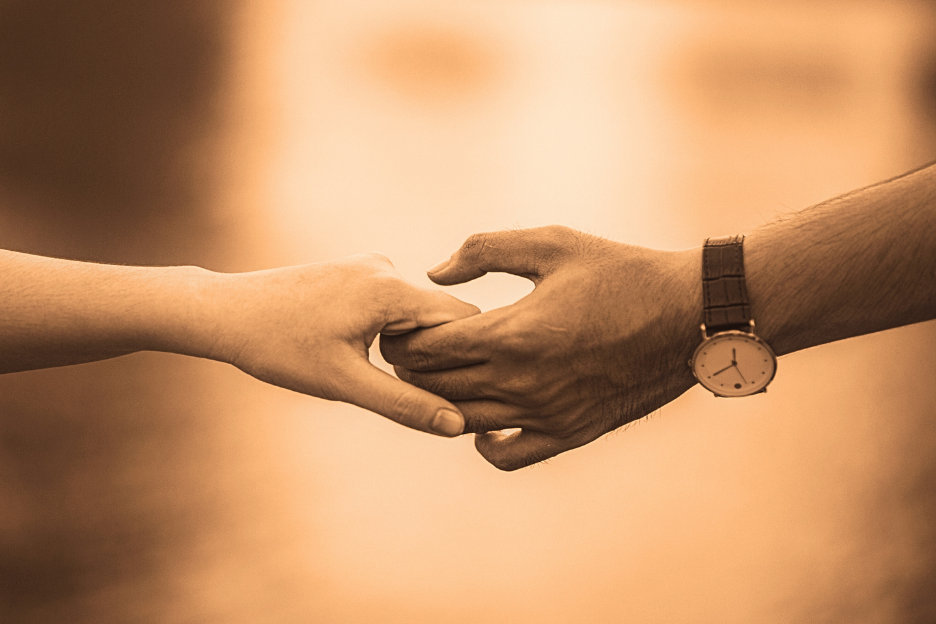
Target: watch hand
[(734, 357), (724, 369), (739, 372)]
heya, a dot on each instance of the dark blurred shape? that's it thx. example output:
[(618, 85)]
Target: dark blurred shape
[(99, 102), (98, 507), (927, 91), (102, 105)]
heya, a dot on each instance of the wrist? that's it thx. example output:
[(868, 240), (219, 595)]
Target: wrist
[(686, 301), (769, 324), (187, 312)]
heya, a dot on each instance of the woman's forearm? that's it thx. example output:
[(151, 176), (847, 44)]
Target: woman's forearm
[(57, 312), (305, 328)]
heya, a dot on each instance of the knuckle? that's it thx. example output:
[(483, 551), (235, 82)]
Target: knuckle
[(376, 275), (384, 284), (361, 263), (560, 241), (558, 231), (418, 357), (432, 382), (558, 236), (472, 250), (402, 352), (475, 242), (377, 257)]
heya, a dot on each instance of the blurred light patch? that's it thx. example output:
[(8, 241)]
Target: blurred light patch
[(757, 81), (432, 64)]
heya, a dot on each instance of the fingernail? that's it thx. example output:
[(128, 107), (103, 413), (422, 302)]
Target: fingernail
[(448, 423), (439, 267)]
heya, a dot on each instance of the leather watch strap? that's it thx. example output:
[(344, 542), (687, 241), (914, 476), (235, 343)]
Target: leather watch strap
[(724, 293)]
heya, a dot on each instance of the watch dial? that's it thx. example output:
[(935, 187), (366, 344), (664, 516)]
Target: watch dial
[(734, 364)]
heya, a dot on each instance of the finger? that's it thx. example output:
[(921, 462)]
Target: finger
[(419, 307), (484, 415), (375, 390), (532, 253), (459, 343), (518, 449), (455, 384)]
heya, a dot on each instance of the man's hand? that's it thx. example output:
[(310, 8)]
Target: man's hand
[(603, 339), (308, 328)]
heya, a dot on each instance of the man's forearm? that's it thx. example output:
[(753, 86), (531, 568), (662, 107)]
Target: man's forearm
[(853, 265), (57, 312)]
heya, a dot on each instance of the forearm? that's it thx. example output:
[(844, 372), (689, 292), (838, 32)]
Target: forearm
[(854, 265), (57, 312)]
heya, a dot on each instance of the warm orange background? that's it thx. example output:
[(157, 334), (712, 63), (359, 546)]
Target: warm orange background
[(156, 488)]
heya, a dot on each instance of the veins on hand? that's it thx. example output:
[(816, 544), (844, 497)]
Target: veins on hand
[(554, 328)]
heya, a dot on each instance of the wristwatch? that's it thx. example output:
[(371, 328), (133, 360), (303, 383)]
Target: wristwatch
[(731, 361)]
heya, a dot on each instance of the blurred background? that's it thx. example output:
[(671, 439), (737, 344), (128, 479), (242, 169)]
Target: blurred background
[(241, 135)]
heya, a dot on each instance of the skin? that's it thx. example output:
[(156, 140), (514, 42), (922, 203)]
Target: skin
[(606, 334), (305, 328)]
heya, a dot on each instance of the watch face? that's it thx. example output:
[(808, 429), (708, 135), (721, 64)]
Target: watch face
[(734, 364)]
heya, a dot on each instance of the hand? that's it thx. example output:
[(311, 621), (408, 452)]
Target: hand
[(603, 339), (308, 328)]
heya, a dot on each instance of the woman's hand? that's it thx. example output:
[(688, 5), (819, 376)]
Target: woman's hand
[(308, 328)]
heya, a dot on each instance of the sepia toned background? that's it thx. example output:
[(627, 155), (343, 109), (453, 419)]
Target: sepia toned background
[(245, 135)]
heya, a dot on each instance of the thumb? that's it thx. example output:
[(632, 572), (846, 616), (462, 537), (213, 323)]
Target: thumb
[(532, 253), (374, 390)]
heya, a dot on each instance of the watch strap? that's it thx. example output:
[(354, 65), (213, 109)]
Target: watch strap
[(724, 292)]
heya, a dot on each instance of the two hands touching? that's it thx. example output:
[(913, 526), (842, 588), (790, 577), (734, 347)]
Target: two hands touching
[(590, 349), (603, 339), (606, 335), (609, 329)]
